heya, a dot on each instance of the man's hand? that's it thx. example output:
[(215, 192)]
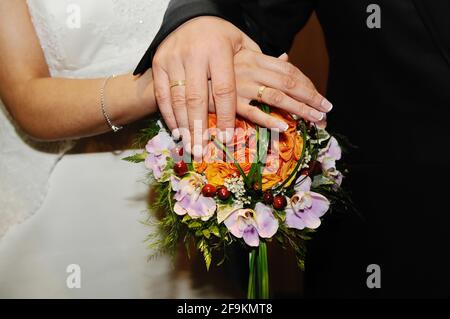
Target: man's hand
[(212, 48), (199, 50)]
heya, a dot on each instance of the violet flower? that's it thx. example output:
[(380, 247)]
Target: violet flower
[(251, 224), (159, 148), (189, 199), (305, 208), (328, 157)]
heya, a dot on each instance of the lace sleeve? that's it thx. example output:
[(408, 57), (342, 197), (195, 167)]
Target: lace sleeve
[(25, 167)]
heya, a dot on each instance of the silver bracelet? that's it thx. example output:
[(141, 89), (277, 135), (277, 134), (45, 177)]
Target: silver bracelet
[(113, 127)]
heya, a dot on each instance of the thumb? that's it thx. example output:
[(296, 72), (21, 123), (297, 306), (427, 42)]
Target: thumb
[(284, 57), (248, 43)]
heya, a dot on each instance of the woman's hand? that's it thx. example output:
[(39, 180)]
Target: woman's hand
[(285, 87)]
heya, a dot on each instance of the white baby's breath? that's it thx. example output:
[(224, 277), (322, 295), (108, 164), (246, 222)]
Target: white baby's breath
[(236, 186)]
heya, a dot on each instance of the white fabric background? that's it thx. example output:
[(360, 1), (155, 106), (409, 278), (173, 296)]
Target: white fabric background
[(91, 212)]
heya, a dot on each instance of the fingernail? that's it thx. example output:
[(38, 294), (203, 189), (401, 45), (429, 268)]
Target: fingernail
[(188, 147), (322, 124), (282, 126), (197, 151), (284, 55), (327, 106), (318, 116), (176, 134)]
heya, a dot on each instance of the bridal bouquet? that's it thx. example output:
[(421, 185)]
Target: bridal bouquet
[(264, 186)]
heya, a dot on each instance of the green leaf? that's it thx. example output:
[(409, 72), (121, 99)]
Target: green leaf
[(195, 224), (136, 158), (206, 233), (223, 211), (262, 271), (199, 233), (263, 144), (251, 291), (320, 180), (186, 218), (205, 250), (227, 153), (214, 230)]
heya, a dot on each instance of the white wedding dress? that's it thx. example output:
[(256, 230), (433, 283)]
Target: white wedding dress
[(58, 210)]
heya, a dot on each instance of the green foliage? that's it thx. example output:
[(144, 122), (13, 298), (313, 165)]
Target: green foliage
[(166, 239), (209, 237), (294, 239), (136, 158), (205, 249)]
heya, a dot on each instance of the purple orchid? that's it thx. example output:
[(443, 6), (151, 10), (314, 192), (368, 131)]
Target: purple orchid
[(328, 157), (305, 208), (189, 198), (251, 224), (159, 148)]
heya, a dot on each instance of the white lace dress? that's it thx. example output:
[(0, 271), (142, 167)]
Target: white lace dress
[(85, 208)]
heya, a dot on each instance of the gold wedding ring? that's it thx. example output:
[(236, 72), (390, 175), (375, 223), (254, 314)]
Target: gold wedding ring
[(178, 83), (260, 93)]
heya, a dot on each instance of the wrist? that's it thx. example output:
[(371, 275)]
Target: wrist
[(145, 94)]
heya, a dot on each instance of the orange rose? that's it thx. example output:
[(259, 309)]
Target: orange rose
[(217, 172), (281, 159)]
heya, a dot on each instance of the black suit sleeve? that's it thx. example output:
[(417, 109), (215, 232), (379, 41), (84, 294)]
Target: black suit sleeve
[(271, 23)]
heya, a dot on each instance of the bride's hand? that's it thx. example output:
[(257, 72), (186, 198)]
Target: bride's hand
[(282, 85)]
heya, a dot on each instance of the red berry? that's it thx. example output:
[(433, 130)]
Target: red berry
[(305, 172), (209, 190), (181, 151), (180, 168), (223, 193), (268, 198), (315, 168), (279, 202)]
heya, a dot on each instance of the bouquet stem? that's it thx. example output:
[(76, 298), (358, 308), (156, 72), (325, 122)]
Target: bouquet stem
[(258, 281)]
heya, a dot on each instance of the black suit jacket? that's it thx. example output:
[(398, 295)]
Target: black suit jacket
[(391, 93)]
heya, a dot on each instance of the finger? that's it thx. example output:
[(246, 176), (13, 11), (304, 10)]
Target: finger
[(224, 91), (293, 88), (162, 94), (211, 106), (322, 124), (178, 101), (248, 43), (255, 115), (294, 80), (197, 104), (284, 57), (280, 65), (281, 100)]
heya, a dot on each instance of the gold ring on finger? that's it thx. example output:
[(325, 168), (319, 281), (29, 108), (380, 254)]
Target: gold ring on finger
[(178, 83), (260, 93)]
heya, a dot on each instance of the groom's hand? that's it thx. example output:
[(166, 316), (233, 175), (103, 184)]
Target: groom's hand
[(199, 50)]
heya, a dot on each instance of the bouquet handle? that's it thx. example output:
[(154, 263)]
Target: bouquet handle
[(258, 281)]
